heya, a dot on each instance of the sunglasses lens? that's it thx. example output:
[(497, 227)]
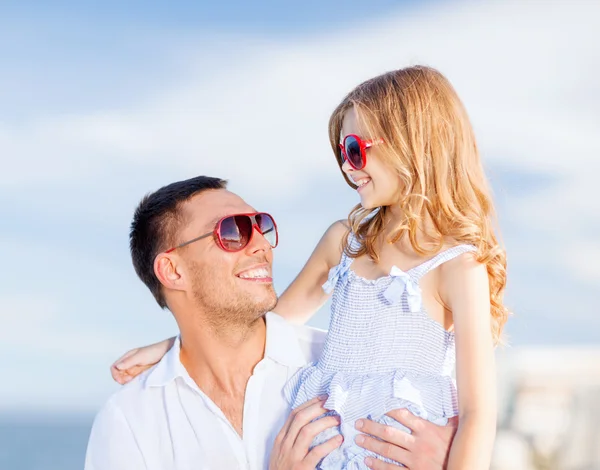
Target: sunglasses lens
[(353, 152), (267, 227), (235, 232)]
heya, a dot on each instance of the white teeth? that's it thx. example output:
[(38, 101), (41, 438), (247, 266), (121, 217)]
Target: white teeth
[(362, 182), (255, 273)]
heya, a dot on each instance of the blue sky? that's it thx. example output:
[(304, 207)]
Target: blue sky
[(100, 105), (267, 16)]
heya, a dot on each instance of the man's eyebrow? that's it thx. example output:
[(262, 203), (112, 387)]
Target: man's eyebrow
[(211, 225)]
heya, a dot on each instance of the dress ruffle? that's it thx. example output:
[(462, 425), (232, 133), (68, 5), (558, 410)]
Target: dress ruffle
[(431, 397), (425, 395), (383, 352)]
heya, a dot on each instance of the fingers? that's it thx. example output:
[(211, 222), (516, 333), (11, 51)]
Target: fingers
[(303, 417), (387, 434), (120, 373), (137, 370), (308, 433), (311, 402), (322, 450), (125, 376), (146, 356), (123, 363), (291, 447), (377, 464), (288, 422), (405, 417), (119, 376), (136, 361), (385, 449)]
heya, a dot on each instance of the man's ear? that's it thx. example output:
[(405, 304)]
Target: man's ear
[(167, 271)]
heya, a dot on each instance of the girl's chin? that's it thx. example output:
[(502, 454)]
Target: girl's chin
[(368, 204)]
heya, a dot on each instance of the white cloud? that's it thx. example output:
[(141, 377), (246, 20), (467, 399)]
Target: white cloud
[(528, 88), (38, 322), (61, 291), (255, 111), (584, 261), (525, 72)]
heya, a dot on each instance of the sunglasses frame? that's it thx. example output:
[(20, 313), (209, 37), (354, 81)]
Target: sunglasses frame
[(363, 145), (215, 232)]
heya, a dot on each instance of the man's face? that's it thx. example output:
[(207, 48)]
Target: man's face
[(221, 283)]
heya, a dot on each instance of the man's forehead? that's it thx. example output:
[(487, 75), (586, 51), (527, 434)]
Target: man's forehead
[(209, 207)]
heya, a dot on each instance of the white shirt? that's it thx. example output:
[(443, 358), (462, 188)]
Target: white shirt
[(161, 420)]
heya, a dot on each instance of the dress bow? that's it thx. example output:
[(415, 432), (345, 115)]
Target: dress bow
[(402, 282), (337, 273)]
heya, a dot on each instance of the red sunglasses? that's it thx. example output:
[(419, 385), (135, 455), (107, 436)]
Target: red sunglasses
[(354, 150), (234, 232)]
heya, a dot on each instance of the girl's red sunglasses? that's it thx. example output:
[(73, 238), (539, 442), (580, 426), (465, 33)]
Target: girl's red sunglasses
[(234, 232), (353, 149)]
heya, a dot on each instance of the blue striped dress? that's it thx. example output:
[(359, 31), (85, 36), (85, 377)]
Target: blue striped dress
[(382, 352)]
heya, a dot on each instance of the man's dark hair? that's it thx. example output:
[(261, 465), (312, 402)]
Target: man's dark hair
[(155, 223)]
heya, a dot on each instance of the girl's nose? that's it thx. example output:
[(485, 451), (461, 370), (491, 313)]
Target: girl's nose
[(346, 167)]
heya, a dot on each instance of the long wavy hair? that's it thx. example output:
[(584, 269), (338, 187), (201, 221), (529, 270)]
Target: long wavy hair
[(430, 143)]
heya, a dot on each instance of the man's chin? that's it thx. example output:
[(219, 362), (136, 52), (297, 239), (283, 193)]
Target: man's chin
[(266, 302), (256, 300), (269, 303)]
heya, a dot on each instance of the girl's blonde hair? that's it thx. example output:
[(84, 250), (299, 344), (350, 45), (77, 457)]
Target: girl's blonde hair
[(429, 142)]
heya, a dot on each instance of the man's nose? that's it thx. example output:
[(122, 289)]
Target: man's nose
[(258, 242)]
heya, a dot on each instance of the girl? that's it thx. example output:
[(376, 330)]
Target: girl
[(417, 274)]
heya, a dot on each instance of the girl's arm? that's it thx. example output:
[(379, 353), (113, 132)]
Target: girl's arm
[(305, 294), (464, 289), (298, 303), (134, 362)]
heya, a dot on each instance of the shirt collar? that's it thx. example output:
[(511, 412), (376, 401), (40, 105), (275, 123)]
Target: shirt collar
[(169, 368), (281, 346)]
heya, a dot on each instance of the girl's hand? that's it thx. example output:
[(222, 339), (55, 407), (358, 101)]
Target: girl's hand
[(291, 448), (136, 361)]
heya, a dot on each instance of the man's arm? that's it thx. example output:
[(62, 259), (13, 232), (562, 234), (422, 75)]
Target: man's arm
[(112, 445), (427, 448)]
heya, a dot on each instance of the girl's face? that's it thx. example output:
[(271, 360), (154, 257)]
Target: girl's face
[(378, 184)]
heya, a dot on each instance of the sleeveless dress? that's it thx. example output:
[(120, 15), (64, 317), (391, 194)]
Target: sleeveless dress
[(382, 352)]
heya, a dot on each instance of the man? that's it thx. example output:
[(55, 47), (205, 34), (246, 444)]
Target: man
[(215, 400)]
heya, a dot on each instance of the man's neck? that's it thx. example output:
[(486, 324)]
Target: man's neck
[(221, 362)]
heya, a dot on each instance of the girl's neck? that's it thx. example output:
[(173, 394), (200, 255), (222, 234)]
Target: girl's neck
[(395, 216)]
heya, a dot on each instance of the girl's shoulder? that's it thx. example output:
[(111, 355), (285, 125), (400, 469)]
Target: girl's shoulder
[(333, 241), (460, 272), (463, 260), (340, 227)]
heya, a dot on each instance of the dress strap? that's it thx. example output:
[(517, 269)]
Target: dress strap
[(353, 243), (446, 255), (340, 272)]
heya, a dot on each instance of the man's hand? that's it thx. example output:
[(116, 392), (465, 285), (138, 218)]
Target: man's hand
[(427, 448), (290, 451)]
